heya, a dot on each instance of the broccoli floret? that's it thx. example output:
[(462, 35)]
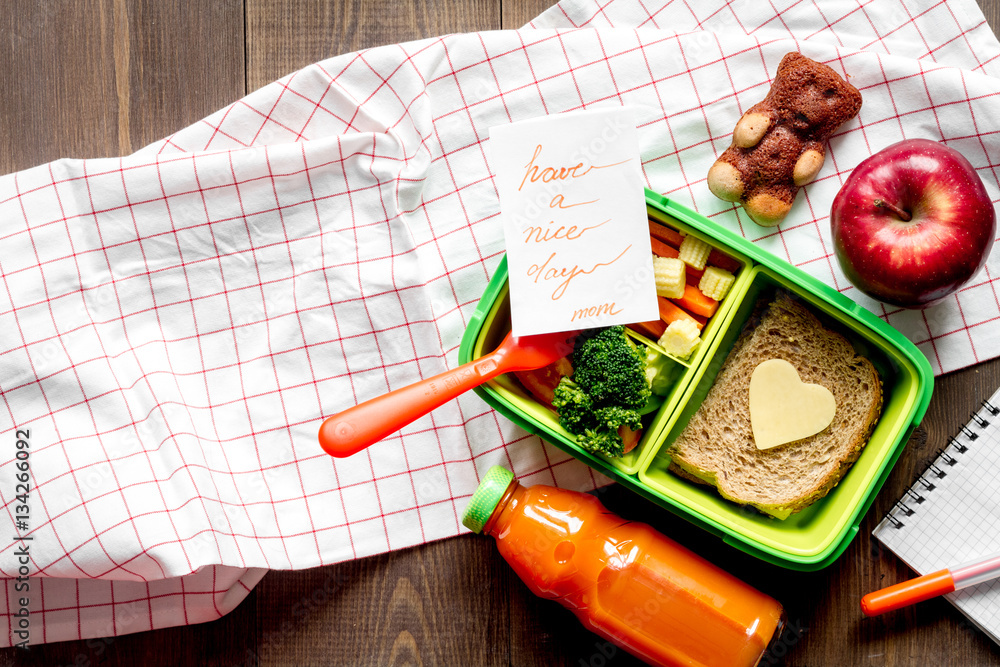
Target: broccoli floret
[(604, 438), (610, 368), (601, 442), (613, 416), (576, 410), (608, 389)]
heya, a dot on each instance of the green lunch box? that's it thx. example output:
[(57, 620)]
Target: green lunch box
[(808, 540)]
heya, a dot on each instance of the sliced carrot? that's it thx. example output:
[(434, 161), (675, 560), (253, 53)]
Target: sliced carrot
[(666, 240), (671, 312), (629, 437), (700, 319), (651, 330), (542, 382), (723, 261), (697, 303), (661, 249), (665, 234)]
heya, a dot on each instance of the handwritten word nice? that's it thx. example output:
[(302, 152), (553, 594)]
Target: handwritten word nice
[(540, 234)]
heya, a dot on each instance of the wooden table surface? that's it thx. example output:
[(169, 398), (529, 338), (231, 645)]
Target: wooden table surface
[(96, 78)]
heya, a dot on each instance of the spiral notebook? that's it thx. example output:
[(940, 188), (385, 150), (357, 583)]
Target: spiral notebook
[(951, 514)]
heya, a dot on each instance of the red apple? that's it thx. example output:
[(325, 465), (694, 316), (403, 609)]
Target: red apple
[(912, 223)]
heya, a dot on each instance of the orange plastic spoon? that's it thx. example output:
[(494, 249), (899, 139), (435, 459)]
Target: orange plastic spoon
[(352, 430)]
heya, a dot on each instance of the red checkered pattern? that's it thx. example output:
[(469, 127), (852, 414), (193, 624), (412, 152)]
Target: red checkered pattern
[(181, 319)]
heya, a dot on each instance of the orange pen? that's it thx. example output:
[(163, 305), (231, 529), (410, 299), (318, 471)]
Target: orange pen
[(931, 585)]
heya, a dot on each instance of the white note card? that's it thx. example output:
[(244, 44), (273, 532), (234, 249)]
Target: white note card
[(574, 216)]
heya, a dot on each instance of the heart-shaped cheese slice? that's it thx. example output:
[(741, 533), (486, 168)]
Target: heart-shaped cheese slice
[(783, 408)]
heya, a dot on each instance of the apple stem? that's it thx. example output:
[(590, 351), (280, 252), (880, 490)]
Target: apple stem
[(903, 215)]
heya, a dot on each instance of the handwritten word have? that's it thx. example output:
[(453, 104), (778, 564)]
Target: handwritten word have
[(534, 173)]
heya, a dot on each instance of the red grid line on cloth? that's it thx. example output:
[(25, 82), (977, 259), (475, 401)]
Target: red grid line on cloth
[(779, 18), (829, 26), (650, 18), (122, 599), (298, 309), (462, 107), (215, 128), (880, 38), (257, 444), (913, 22), (204, 209), (347, 365), (77, 379), (393, 184), (118, 482), (413, 347), (330, 298), (202, 353), (893, 14), (153, 309), (112, 209)]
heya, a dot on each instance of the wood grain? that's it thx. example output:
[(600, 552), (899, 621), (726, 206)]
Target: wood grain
[(104, 77), (171, 81), (51, 110), (425, 605), (285, 35), (515, 14), (101, 78)]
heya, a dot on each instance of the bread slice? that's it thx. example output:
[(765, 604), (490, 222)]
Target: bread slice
[(717, 446)]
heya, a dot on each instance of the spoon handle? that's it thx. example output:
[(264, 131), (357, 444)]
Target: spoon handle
[(350, 431)]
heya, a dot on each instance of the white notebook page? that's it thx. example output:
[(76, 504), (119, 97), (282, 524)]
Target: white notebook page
[(951, 514)]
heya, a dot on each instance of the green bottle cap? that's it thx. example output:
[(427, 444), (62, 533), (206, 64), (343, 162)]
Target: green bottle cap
[(486, 497)]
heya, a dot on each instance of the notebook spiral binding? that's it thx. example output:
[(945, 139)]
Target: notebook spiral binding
[(946, 457)]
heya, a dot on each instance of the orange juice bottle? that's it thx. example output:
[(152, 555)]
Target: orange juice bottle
[(624, 580)]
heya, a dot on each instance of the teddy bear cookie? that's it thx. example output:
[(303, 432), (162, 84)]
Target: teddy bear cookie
[(780, 143)]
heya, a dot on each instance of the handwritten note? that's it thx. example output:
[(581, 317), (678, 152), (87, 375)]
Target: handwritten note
[(574, 215)]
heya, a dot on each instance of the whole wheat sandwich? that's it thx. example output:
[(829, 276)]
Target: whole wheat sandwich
[(717, 446)]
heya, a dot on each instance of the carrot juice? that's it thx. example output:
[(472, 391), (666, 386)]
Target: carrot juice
[(624, 580)]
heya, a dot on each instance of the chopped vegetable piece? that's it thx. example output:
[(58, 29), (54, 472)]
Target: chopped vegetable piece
[(606, 391), (665, 234), (715, 283), (651, 330), (697, 303), (671, 237), (541, 382), (680, 339), (610, 368), (661, 371), (671, 312), (661, 249), (723, 261), (669, 276), (629, 438), (694, 252)]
